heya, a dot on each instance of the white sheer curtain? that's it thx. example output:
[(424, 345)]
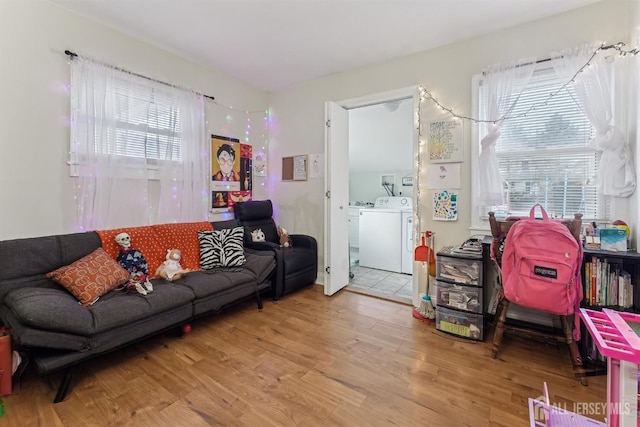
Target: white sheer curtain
[(129, 134), (184, 184), (596, 88), (504, 84)]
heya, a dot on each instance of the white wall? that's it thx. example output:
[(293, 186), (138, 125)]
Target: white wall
[(380, 143), (365, 186), (447, 72), (35, 188)]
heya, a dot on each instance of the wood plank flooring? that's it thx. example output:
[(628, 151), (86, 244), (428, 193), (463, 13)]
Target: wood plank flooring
[(309, 360)]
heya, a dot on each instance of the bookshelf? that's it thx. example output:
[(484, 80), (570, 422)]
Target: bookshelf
[(609, 280)]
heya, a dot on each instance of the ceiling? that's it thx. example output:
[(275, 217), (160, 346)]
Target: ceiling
[(275, 44)]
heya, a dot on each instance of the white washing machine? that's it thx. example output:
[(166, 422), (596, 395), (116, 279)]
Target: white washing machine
[(407, 241), (383, 233)]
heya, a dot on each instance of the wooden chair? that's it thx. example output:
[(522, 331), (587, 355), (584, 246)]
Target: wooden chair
[(499, 230)]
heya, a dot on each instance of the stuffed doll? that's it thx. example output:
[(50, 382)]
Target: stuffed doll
[(134, 262), (257, 235), (285, 240), (171, 269)]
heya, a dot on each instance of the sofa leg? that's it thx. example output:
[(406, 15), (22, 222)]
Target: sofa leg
[(65, 385), (259, 300)]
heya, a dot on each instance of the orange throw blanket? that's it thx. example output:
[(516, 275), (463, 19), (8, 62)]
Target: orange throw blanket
[(155, 240)]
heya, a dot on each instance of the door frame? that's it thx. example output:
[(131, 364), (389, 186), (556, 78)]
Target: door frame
[(412, 92)]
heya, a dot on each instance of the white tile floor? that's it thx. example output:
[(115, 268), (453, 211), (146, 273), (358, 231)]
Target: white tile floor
[(381, 283)]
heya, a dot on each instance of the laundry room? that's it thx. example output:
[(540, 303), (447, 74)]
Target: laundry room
[(381, 198)]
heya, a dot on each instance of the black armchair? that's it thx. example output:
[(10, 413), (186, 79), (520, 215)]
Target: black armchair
[(297, 266)]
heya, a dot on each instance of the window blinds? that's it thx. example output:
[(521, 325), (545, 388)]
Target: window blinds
[(147, 120)]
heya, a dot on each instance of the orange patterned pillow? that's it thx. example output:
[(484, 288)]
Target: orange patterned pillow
[(142, 238), (90, 277), (183, 236)]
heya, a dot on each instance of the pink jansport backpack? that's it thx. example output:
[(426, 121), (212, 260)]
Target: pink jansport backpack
[(541, 265)]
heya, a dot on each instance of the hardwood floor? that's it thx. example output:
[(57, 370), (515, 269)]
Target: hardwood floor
[(309, 360)]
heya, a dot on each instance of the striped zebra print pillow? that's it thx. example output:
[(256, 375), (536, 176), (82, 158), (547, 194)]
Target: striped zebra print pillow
[(221, 248)]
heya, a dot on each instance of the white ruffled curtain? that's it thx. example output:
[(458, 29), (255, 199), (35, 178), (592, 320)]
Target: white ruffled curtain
[(184, 184), (504, 85), (113, 138), (596, 89)]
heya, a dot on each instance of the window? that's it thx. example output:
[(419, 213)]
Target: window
[(131, 117), (543, 153), (147, 121)]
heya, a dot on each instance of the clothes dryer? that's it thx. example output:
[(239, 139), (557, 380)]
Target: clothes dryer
[(381, 234)]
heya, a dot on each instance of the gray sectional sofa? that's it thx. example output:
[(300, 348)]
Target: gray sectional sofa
[(58, 333)]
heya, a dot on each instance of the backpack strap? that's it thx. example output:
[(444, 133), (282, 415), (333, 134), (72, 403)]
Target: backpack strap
[(532, 213), (579, 296)]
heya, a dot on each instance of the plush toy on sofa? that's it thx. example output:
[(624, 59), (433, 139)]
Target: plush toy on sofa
[(171, 269), (134, 262), (257, 235), (285, 240)]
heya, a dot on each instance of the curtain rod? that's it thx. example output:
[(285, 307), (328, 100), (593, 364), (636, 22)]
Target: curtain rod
[(73, 55), (539, 61)]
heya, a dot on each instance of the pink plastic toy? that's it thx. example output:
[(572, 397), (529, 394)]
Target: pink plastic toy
[(614, 334), (617, 335), (553, 416)]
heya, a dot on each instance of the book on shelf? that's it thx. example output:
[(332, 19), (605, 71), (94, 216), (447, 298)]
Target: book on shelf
[(606, 283)]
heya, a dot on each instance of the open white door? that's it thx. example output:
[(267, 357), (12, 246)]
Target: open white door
[(336, 223)]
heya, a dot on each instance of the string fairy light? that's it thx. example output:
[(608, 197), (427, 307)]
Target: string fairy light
[(418, 171), (427, 95), (255, 136)]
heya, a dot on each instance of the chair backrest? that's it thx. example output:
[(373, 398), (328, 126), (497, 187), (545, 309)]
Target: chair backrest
[(500, 229), (256, 214)]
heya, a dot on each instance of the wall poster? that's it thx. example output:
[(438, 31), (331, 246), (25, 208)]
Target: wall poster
[(445, 141), (443, 176), (231, 165), (260, 163), (445, 206)]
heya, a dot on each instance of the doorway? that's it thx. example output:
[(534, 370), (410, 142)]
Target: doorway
[(381, 199), (372, 172)]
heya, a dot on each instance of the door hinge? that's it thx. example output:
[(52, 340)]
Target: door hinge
[(328, 194), (328, 270), (328, 123)]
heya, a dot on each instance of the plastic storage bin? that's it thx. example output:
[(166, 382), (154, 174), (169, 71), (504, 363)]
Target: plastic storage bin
[(453, 268), (464, 324), (460, 297)]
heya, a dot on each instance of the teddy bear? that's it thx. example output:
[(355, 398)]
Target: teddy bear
[(134, 262), (171, 269), (285, 240), (257, 235)]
